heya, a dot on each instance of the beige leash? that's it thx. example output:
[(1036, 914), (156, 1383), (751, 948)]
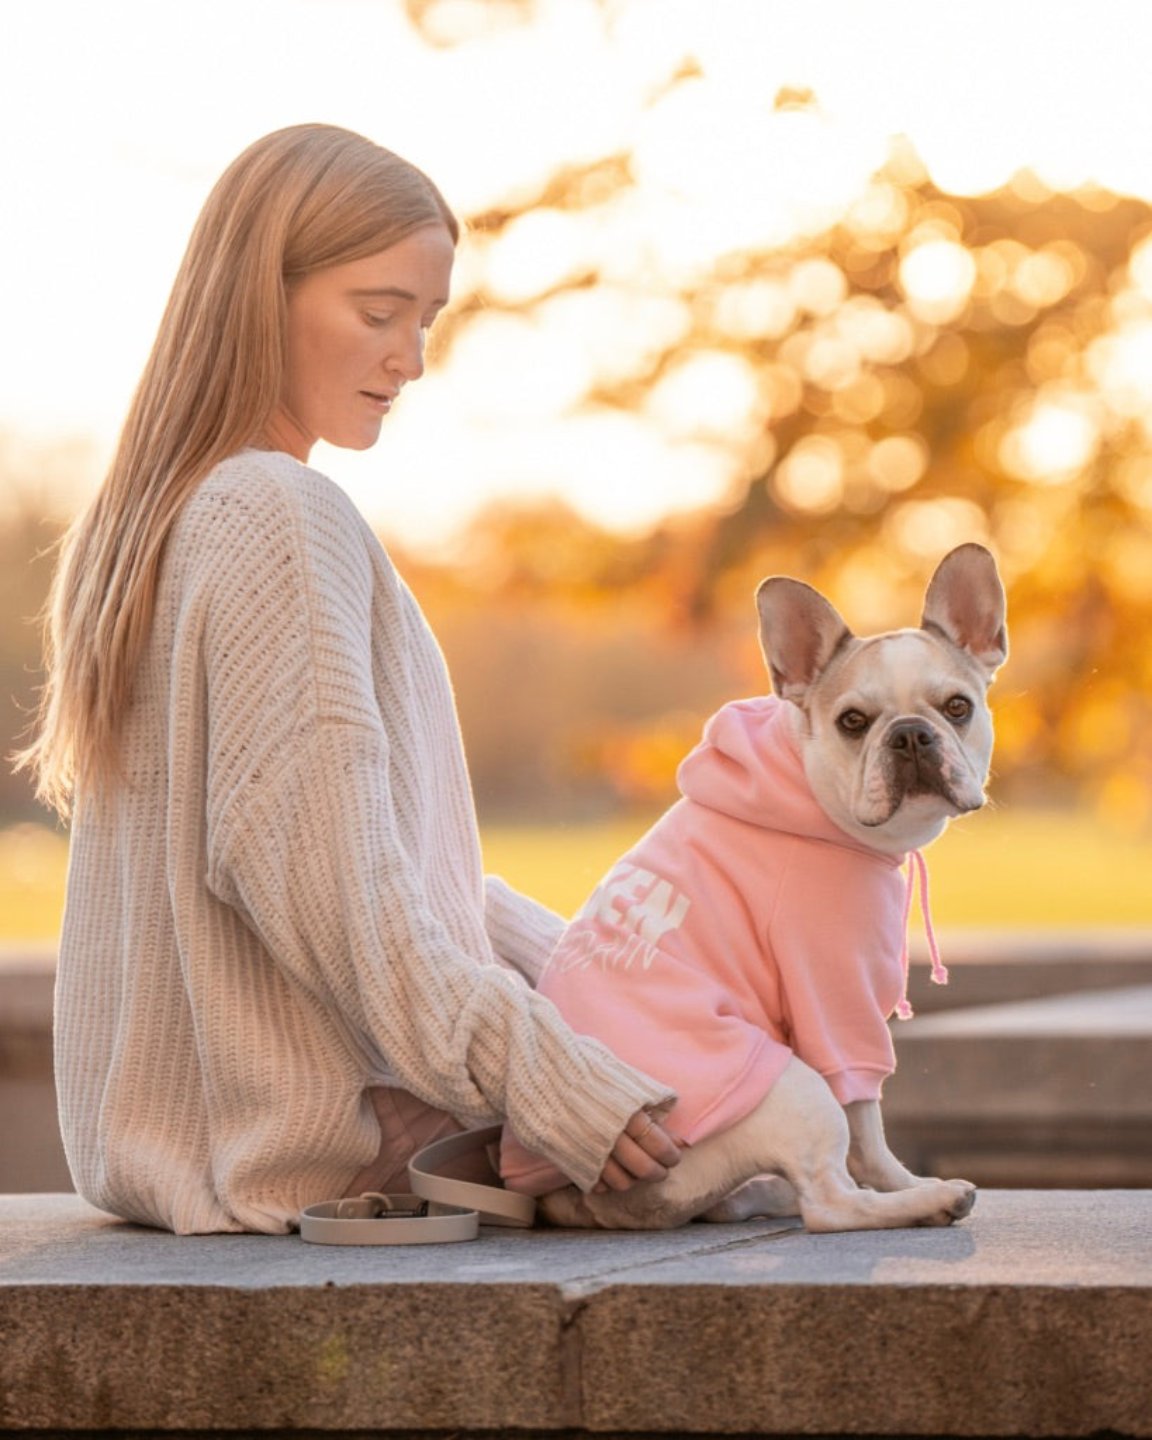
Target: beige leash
[(455, 1188)]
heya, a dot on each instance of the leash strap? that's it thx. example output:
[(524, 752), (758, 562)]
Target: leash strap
[(453, 1191), (375, 1219), (458, 1170)]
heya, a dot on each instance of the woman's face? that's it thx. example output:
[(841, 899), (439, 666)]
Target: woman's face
[(355, 336)]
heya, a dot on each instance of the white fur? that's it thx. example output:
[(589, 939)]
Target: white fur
[(803, 1153)]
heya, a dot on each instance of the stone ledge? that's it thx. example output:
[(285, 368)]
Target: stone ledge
[(1033, 1318), (996, 967), (1050, 1092)]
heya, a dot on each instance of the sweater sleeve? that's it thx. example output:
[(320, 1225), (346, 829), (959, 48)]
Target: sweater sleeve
[(318, 870), (523, 932)]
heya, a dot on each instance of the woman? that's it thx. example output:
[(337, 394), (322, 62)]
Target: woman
[(281, 969)]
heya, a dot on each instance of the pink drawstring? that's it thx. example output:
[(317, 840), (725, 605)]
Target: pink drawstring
[(916, 866)]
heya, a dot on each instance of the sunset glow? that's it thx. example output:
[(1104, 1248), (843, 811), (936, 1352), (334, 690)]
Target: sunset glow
[(742, 127)]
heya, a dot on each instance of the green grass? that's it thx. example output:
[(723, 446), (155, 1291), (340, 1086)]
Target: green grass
[(1026, 869), (33, 862), (1011, 869)]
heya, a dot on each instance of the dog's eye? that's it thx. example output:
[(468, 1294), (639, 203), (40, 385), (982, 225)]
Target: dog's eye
[(853, 722), (958, 709)]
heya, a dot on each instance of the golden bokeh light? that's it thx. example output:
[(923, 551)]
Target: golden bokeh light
[(708, 394), (1134, 481), (1121, 365), (937, 277), (1128, 565), (537, 252), (827, 361), (897, 462), (1058, 440), (622, 463), (878, 216), (1043, 277), (818, 286), (923, 529), (755, 310), (811, 478), (537, 376), (741, 286), (1140, 267), (879, 335), (861, 401), (621, 332)]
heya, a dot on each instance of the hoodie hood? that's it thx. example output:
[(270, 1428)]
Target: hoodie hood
[(748, 765)]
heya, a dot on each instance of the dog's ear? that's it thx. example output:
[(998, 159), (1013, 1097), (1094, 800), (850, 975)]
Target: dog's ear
[(799, 634), (965, 604)]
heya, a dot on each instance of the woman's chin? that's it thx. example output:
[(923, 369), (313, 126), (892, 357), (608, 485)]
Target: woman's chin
[(360, 438)]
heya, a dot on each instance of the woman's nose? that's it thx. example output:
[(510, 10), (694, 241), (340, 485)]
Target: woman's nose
[(408, 358)]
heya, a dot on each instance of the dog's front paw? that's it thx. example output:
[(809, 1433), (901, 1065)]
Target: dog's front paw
[(883, 1173)]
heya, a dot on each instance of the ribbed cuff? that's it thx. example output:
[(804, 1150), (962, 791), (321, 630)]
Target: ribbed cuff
[(851, 1085), (595, 1115)]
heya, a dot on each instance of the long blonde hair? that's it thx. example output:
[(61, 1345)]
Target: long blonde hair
[(299, 200)]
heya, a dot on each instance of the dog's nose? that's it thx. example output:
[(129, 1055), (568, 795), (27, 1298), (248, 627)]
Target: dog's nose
[(911, 737)]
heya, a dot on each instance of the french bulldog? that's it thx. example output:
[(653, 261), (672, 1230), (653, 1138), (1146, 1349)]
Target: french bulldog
[(750, 949)]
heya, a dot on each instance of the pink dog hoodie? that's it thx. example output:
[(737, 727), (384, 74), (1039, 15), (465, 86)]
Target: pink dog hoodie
[(743, 928)]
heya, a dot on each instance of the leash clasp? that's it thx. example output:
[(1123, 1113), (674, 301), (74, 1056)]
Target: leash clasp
[(372, 1205)]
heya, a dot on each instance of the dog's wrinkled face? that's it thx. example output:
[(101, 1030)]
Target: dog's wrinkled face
[(894, 730), (899, 736)]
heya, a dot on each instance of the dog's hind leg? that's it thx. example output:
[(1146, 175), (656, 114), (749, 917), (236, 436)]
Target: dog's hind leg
[(767, 1197), (699, 1182), (800, 1130)]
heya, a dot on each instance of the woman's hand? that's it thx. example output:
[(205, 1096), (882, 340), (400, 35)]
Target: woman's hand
[(644, 1152)]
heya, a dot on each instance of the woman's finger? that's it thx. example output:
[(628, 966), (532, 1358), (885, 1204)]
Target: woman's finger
[(643, 1153), (636, 1162), (655, 1140), (615, 1177)]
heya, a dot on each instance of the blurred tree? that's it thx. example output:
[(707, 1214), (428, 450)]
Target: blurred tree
[(862, 390), (929, 369)]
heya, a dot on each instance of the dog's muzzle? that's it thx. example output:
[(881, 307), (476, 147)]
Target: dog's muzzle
[(912, 739), (915, 760)]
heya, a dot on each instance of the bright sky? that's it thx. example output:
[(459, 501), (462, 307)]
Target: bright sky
[(117, 116)]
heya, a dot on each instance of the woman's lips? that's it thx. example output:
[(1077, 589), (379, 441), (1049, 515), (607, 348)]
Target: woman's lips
[(382, 402)]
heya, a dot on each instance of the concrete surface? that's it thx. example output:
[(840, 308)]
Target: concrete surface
[(1034, 1318), (1055, 1092)]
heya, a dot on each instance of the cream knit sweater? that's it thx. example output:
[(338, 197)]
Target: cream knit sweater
[(283, 904)]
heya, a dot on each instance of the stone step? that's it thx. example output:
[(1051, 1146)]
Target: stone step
[(994, 967), (1033, 1318), (1051, 1092)]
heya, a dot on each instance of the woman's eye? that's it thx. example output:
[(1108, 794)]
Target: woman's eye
[(852, 722), (958, 709), (373, 319)]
